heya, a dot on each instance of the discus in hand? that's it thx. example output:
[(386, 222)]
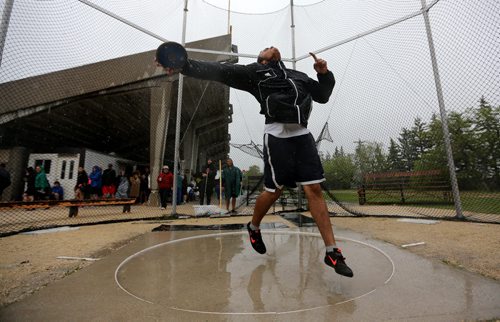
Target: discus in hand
[(171, 55)]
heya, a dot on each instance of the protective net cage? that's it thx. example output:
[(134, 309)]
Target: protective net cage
[(88, 121)]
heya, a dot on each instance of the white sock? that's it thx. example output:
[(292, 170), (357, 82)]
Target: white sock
[(252, 227), (330, 248)]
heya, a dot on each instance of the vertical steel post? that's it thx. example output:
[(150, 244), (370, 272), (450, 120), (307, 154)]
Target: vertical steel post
[(178, 119), (4, 25), (294, 66), (229, 16), (444, 116), (292, 29)]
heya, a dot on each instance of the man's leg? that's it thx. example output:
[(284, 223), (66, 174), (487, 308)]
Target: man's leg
[(233, 203), (202, 197), (319, 211), (209, 194), (264, 202)]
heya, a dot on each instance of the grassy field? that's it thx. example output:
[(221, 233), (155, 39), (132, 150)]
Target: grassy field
[(475, 201)]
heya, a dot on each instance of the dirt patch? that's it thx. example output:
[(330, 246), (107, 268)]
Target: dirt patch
[(466, 245), (29, 262)]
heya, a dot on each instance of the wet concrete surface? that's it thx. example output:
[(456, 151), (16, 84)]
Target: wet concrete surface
[(207, 275)]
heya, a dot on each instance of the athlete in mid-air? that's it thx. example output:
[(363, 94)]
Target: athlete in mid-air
[(290, 154)]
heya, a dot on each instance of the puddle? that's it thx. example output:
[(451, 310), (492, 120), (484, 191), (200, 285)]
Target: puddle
[(299, 219), (272, 225)]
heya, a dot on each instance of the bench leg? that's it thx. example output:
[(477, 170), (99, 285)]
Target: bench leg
[(73, 211)]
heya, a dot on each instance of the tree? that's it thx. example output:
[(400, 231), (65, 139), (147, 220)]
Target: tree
[(339, 171), (369, 158), (394, 161), (487, 131), (254, 170), (414, 143)]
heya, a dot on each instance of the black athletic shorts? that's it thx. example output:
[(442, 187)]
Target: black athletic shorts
[(288, 161)]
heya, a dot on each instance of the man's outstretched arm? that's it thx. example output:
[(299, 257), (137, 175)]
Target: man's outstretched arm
[(234, 75)]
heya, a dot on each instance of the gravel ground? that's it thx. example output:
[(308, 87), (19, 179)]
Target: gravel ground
[(29, 262)]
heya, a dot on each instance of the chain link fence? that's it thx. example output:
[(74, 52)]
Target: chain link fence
[(87, 120)]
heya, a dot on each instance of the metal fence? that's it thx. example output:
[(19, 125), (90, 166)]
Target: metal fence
[(417, 91)]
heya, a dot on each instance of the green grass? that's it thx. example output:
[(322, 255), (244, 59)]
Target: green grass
[(475, 201), (488, 203), (345, 195)]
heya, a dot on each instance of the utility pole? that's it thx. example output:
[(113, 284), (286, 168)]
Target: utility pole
[(444, 115), (4, 25)]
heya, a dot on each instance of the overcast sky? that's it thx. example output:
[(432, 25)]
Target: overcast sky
[(384, 80)]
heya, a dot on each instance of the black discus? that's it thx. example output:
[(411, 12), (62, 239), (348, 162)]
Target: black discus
[(171, 55)]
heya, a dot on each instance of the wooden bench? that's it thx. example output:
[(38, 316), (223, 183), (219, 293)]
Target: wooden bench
[(413, 187), (73, 204)]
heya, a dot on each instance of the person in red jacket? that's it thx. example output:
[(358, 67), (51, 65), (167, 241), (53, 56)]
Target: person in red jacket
[(165, 183)]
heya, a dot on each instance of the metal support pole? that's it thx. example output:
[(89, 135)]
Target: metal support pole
[(178, 119), (229, 16), (292, 29), (444, 116), (4, 25)]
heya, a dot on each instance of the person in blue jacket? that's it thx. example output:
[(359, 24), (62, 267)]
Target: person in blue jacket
[(95, 178)]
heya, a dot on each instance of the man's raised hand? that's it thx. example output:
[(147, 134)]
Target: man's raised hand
[(320, 65)]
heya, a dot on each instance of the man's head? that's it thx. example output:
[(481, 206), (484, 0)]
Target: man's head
[(57, 183), (209, 161), (229, 162), (165, 168), (269, 54), (110, 166), (38, 168)]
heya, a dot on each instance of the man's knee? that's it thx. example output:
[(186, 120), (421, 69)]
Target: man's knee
[(271, 195), (313, 191)]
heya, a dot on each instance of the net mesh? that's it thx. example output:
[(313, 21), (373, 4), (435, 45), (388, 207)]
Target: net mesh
[(81, 89)]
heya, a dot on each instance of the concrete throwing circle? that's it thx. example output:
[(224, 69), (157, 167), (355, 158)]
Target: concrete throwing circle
[(221, 274)]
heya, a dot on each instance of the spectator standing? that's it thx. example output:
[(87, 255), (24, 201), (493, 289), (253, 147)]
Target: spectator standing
[(231, 179), (123, 187), (184, 189), (4, 178), (29, 178), (145, 186), (179, 189), (109, 182), (95, 182), (165, 181), (207, 182), (82, 188), (135, 186), (217, 185), (41, 183)]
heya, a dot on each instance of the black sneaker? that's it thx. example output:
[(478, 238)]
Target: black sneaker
[(336, 260), (256, 240)]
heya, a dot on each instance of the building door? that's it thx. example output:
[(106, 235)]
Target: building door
[(66, 174), (46, 160)]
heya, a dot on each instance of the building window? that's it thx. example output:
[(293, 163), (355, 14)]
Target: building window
[(46, 164), (63, 169), (71, 169)]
